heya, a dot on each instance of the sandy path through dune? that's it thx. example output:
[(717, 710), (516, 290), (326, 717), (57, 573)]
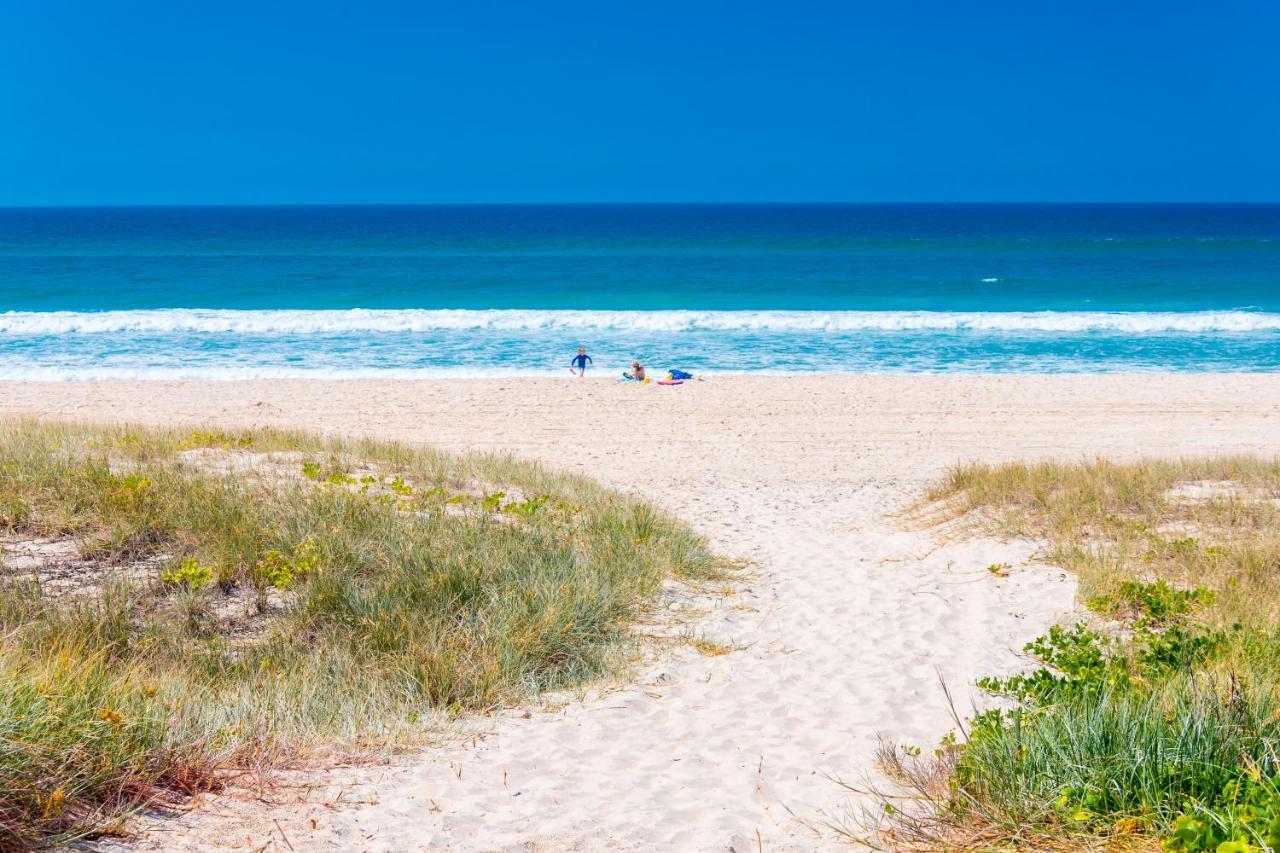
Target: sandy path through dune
[(839, 637), (835, 648)]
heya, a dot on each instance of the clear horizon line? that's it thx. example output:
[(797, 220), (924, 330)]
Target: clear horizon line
[(738, 203)]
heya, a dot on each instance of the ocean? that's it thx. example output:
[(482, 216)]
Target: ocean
[(489, 290)]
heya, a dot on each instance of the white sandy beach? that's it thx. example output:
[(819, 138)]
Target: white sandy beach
[(841, 635)]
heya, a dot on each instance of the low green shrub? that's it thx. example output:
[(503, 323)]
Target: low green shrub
[(188, 573), (1151, 604), (281, 571), (1167, 727), (1245, 818)]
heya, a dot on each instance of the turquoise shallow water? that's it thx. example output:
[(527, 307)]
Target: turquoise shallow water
[(457, 290)]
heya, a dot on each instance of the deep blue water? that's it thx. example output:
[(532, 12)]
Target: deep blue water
[(432, 290)]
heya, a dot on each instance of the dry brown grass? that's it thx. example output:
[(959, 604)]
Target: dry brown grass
[(1212, 523)]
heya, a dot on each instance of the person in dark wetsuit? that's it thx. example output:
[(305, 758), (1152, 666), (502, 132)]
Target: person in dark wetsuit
[(580, 362)]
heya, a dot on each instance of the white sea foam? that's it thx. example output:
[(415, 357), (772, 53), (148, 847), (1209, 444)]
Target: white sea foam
[(154, 373), (354, 321), (233, 373)]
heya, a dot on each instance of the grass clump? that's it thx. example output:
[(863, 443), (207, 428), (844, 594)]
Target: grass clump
[(219, 601), (1159, 724)]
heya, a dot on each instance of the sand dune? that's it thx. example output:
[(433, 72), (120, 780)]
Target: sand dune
[(839, 636)]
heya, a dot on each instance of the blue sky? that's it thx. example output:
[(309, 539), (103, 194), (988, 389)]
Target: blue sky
[(287, 102)]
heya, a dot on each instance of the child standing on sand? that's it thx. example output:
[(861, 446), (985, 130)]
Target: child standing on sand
[(580, 362)]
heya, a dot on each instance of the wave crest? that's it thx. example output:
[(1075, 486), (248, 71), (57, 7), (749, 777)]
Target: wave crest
[(337, 322)]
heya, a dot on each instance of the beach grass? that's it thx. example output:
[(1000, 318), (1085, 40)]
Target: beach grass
[(1152, 723), (176, 605)]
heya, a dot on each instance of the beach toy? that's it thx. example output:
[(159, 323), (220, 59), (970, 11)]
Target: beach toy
[(670, 381)]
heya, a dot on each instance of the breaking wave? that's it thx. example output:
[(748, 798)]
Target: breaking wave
[(338, 322)]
